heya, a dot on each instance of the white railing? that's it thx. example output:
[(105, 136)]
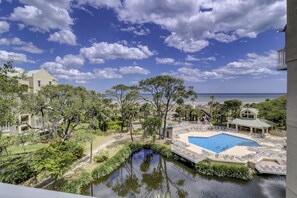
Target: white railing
[(281, 59)]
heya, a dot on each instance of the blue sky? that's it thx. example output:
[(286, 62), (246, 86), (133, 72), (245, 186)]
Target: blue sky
[(216, 46)]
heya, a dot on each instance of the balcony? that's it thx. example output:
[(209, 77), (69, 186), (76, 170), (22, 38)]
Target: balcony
[(12, 191), (281, 60)]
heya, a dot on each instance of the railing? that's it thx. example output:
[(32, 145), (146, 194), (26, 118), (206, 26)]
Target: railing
[(13, 191), (281, 59)]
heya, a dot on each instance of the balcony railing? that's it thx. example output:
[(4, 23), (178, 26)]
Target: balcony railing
[(12, 191), (281, 59)]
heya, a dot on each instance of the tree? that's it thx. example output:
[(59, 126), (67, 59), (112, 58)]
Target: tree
[(233, 107), (166, 91), (10, 93), (126, 97), (61, 108), (211, 105), (151, 126)]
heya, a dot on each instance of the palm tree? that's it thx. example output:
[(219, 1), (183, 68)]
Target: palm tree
[(211, 106)]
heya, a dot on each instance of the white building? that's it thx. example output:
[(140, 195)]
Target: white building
[(34, 79)]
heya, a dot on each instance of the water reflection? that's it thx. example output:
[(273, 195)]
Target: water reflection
[(147, 174)]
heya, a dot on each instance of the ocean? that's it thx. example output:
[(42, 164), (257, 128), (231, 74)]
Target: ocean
[(204, 98)]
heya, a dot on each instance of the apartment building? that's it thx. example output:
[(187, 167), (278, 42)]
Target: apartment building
[(34, 79)]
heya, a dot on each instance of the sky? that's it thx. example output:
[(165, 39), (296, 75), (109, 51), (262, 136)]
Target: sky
[(217, 46)]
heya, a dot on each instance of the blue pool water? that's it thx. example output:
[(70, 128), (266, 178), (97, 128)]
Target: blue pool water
[(221, 142)]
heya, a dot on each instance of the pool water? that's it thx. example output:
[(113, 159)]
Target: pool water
[(221, 142)]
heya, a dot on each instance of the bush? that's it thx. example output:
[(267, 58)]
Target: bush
[(162, 150), (224, 170), (102, 156), (75, 186), (104, 169), (53, 159)]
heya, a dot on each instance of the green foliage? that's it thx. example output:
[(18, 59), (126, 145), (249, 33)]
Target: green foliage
[(114, 125), (52, 160), (102, 156), (224, 170), (151, 127), (103, 169), (162, 150), (273, 110), (75, 185), (10, 92)]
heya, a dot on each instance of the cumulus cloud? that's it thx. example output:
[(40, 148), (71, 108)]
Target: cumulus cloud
[(100, 3), (15, 57), (136, 30), (17, 44), (107, 73), (253, 65), (59, 71), (205, 59), (63, 37), (43, 15), (4, 27), (99, 52), (71, 61), (194, 23), (171, 61), (133, 70)]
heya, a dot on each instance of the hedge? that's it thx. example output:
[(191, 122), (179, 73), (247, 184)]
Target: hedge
[(223, 170)]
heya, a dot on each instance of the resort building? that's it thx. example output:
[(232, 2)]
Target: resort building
[(34, 79), (250, 121)]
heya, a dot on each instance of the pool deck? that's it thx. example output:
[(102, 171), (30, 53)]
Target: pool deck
[(271, 148)]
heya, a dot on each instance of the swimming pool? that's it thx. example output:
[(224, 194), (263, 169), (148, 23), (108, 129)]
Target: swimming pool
[(221, 142)]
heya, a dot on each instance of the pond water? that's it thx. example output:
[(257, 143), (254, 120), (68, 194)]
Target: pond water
[(147, 174)]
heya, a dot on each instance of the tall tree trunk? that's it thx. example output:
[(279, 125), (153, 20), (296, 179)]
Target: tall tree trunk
[(164, 126), (91, 150), (131, 130)]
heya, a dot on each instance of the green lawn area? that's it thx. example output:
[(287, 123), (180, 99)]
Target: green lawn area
[(28, 148)]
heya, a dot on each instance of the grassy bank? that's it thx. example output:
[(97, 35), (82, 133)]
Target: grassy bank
[(224, 170)]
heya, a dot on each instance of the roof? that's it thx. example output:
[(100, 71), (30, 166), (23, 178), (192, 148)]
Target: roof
[(30, 73), (253, 110), (256, 123)]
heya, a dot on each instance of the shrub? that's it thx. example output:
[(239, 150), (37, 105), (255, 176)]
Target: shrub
[(75, 185), (162, 150), (224, 170), (102, 156), (53, 159)]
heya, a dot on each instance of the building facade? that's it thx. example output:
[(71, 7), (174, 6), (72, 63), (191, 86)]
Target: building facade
[(250, 121), (34, 80), (291, 59)]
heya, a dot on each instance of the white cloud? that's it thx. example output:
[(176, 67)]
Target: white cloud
[(100, 3), (17, 44), (193, 23), (99, 52), (171, 61), (59, 71), (253, 65), (205, 59), (4, 27), (63, 37), (44, 15), (107, 73), (186, 44), (133, 70), (137, 30), (165, 60), (71, 61), (15, 57)]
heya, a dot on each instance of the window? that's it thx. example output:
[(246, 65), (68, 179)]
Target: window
[(50, 82), (39, 83)]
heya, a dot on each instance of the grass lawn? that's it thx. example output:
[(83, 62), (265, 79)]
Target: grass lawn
[(28, 148)]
